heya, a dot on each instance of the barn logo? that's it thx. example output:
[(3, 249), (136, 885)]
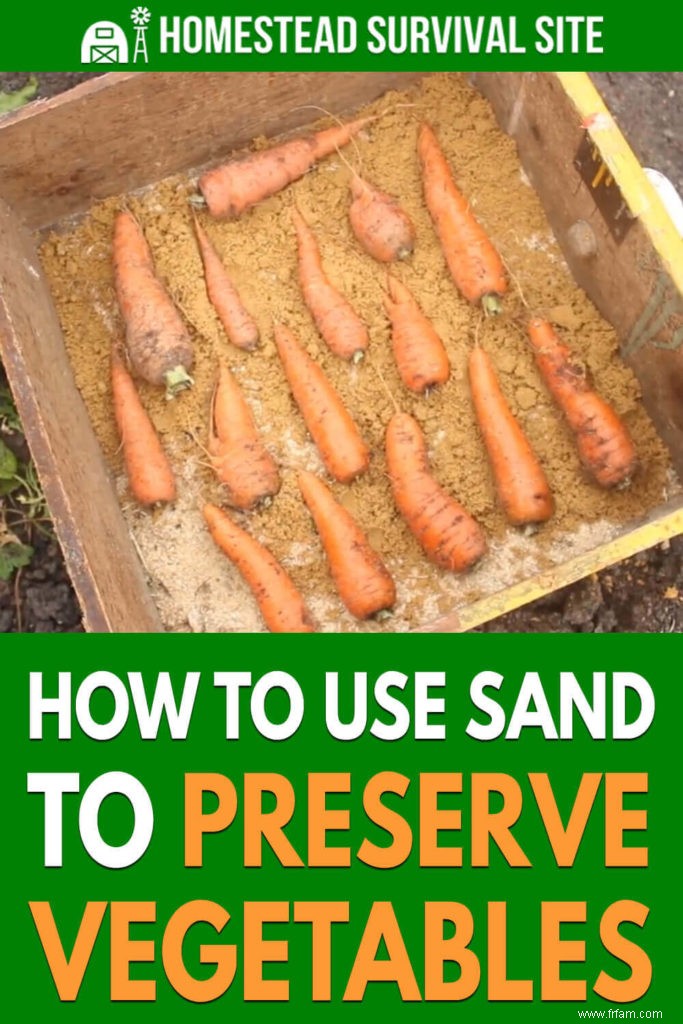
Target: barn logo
[(105, 42)]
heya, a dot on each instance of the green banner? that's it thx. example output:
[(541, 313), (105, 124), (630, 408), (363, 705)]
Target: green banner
[(432, 827), (284, 37)]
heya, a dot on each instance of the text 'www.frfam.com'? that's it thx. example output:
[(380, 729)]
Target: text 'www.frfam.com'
[(615, 1014)]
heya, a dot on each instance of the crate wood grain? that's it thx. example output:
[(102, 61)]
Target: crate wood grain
[(127, 130)]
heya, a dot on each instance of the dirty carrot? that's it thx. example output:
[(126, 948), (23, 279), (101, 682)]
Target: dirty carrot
[(420, 356), (280, 603), (339, 325), (381, 226), (237, 454), (604, 444), (231, 189), (223, 296), (159, 345), (329, 422), (148, 469), (448, 534), (520, 482), (472, 259), (360, 576)]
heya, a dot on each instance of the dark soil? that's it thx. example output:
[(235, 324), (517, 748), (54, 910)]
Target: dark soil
[(643, 594)]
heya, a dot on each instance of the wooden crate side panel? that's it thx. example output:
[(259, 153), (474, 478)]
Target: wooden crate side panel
[(99, 554), (124, 131), (634, 282)]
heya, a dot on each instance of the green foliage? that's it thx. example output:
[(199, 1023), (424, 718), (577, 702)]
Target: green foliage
[(9, 417), (8, 469), (14, 100), (21, 498), (13, 555)]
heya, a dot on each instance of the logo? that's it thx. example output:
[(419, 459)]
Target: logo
[(105, 42)]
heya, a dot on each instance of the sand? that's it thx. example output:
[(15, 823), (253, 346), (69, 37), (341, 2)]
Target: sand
[(195, 587)]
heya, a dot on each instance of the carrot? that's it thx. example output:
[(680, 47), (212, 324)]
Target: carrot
[(340, 326), (280, 603), (237, 323), (149, 472), (448, 534), (604, 444), (159, 346), (473, 261), (329, 423), (420, 356), (381, 226), (237, 454), (360, 576), (231, 189), (521, 485)]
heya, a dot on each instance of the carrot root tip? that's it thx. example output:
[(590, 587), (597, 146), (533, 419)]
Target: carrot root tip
[(491, 304), (197, 200), (177, 380), (405, 252), (358, 357), (382, 615)]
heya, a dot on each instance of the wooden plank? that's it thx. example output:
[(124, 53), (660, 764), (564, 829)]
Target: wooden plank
[(123, 131), (98, 551), (635, 282)]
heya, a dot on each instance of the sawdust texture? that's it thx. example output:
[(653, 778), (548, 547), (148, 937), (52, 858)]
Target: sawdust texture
[(195, 587)]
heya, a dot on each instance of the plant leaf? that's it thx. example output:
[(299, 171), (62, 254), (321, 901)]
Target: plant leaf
[(8, 462), (14, 100), (13, 556), (9, 417)]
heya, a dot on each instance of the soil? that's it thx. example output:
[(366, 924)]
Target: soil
[(641, 594)]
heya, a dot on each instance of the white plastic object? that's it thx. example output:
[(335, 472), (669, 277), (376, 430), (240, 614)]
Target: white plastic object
[(669, 196)]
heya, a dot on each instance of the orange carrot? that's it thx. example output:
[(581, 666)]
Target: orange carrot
[(381, 226), (281, 604), (231, 189), (521, 485), (604, 444), (149, 472), (237, 323), (329, 423), (473, 261), (448, 534), (360, 576), (420, 356), (342, 329), (237, 454), (159, 346)]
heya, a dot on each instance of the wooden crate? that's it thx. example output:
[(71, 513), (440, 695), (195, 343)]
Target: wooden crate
[(58, 156)]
